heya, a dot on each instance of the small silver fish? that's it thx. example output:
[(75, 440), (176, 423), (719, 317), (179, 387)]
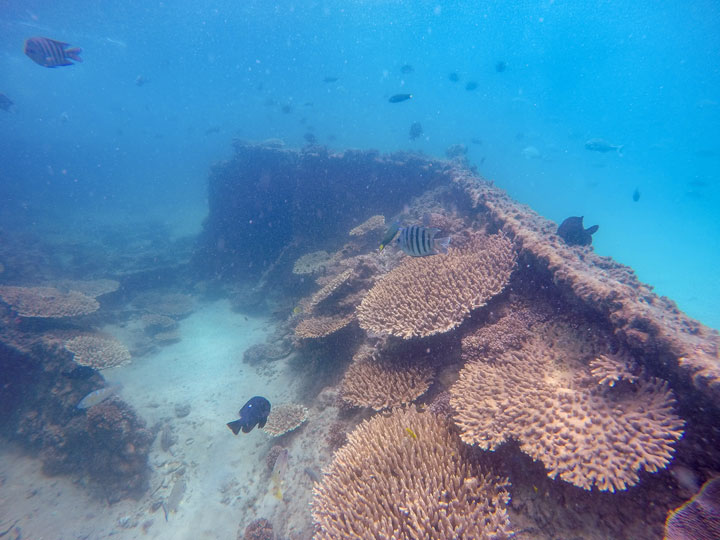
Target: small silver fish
[(98, 396), (281, 464), (419, 241)]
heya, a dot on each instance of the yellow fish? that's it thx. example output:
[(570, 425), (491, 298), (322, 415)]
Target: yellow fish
[(297, 310), (411, 433)]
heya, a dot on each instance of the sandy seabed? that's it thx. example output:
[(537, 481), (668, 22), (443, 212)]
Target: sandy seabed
[(228, 482)]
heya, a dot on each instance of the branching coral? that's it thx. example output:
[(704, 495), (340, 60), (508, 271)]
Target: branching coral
[(47, 302), (609, 369), (407, 476), (98, 352), (285, 417), (545, 397), (379, 381), (318, 327), (431, 295)]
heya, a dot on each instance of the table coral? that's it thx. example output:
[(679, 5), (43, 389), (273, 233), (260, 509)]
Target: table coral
[(379, 380), (47, 302), (284, 418), (545, 397), (432, 295), (408, 476), (372, 224), (97, 352)]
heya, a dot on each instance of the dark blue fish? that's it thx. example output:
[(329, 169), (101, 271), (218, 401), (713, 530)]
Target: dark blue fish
[(574, 232), (407, 68), (419, 241), (500, 66), (472, 85), (254, 413), (636, 195), (50, 53), (397, 98), (454, 77)]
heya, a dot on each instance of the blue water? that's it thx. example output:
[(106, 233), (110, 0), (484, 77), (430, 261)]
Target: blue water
[(86, 144)]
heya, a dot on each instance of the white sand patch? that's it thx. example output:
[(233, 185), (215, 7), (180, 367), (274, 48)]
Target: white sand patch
[(226, 476)]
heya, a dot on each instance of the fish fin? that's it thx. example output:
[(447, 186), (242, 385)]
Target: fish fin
[(235, 426), (261, 423), (74, 53), (593, 229), (442, 244), (620, 150), (426, 219)]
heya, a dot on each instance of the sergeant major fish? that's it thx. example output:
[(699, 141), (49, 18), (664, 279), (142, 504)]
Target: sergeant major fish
[(50, 53), (419, 241)]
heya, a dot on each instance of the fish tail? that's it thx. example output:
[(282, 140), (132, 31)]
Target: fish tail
[(442, 244), (74, 53), (235, 426), (620, 150)]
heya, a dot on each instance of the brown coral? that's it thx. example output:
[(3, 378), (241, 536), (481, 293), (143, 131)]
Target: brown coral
[(318, 327), (431, 295), (545, 397), (285, 417), (47, 302), (372, 224), (329, 289), (407, 476), (98, 352), (378, 381), (609, 369)]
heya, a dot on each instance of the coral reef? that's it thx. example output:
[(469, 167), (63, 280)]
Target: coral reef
[(154, 324), (408, 476), (545, 397), (699, 518), (285, 417), (97, 352), (373, 223), (379, 379), (47, 302), (431, 295)]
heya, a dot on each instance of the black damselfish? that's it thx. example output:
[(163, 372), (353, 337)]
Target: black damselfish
[(254, 413), (574, 232)]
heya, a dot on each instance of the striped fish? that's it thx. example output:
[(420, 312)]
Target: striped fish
[(419, 241), (50, 53)]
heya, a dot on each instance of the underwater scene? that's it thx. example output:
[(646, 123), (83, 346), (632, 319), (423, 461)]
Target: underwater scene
[(379, 269)]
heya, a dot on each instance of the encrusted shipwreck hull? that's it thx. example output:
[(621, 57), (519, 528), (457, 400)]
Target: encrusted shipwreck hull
[(513, 343)]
